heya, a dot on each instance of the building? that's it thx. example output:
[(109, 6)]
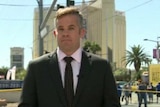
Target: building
[(119, 43), (105, 26), (17, 57)]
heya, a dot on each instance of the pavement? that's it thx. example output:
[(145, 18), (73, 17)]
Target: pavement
[(12, 104), (134, 102), (136, 105)]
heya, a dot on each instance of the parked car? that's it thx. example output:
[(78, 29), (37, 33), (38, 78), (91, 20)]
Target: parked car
[(121, 83)]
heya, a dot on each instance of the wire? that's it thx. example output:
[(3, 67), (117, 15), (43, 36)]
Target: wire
[(21, 5), (138, 5), (61, 3)]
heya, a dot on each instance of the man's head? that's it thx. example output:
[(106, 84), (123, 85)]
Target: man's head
[(69, 29), (69, 11)]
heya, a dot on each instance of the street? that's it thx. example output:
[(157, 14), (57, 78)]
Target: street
[(134, 102)]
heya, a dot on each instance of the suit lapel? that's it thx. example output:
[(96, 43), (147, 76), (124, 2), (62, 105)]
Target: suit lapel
[(85, 69), (56, 76)]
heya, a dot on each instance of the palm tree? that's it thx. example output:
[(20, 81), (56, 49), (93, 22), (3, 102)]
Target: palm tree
[(147, 61), (136, 56)]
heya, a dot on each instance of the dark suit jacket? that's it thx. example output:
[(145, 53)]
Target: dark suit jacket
[(43, 86)]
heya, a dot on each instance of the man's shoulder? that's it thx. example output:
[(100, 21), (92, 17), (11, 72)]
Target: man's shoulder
[(94, 56), (42, 58)]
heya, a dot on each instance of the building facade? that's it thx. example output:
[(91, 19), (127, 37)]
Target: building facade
[(105, 26), (17, 57)]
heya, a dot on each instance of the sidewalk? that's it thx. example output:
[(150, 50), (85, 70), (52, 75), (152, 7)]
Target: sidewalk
[(12, 104), (134, 102)]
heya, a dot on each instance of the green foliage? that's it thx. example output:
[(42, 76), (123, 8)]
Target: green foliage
[(91, 47), (20, 74), (87, 46), (136, 57), (122, 75), (3, 70), (138, 75)]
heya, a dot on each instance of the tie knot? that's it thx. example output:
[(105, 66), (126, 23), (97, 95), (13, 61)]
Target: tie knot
[(68, 59)]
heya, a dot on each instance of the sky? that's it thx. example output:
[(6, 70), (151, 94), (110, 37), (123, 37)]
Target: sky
[(16, 25)]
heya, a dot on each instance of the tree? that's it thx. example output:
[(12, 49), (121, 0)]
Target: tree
[(91, 47), (3, 70), (136, 57), (147, 61), (122, 74)]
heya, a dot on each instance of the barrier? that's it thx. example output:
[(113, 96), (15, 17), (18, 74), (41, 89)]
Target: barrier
[(11, 84), (155, 92)]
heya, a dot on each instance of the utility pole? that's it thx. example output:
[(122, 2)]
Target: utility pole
[(157, 48), (42, 23), (69, 3), (40, 6)]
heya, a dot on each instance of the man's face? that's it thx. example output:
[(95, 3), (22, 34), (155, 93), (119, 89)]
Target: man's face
[(68, 33)]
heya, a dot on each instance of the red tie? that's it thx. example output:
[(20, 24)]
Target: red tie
[(69, 92)]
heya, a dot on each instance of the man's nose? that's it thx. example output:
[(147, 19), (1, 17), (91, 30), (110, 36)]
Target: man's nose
[(65, 33)]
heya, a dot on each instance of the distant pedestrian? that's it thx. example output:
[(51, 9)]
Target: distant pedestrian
[(150, 93), (137, 91), (142, 87), (130, 92), (125, 95), (119, 90), (158, 89)]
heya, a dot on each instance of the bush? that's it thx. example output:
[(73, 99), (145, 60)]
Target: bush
[(20, 74)]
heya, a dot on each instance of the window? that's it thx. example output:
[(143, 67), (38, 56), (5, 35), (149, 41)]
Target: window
[(17, 57)]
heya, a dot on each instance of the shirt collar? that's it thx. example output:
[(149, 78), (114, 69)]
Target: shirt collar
[(77, 55)]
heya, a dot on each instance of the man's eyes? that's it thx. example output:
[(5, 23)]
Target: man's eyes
[(61, 29), (71, 28)]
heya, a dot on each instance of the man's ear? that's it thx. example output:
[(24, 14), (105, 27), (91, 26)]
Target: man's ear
[(55, 32), (83, 32)]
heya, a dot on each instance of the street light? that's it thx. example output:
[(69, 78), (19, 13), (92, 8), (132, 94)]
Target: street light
[(157, 48)]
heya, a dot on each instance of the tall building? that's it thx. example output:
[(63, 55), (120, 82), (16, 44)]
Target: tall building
[(104, 25), (107, 27), (119, 43), (17, 57)]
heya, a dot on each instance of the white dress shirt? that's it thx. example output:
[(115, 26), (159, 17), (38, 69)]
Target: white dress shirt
[(76, 63)]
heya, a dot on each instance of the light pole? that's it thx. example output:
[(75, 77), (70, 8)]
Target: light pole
[(42, 30), (157, 48), (40, 45)]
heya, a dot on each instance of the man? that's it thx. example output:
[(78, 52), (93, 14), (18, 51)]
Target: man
[(158, 90), (142, 87), (150, 88), (126, 94), (119, 91), (93, 82)]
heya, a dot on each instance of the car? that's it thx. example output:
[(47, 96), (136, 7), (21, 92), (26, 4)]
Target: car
[(121, 83)]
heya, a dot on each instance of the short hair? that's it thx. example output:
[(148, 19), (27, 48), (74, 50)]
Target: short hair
[(69, 11)]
